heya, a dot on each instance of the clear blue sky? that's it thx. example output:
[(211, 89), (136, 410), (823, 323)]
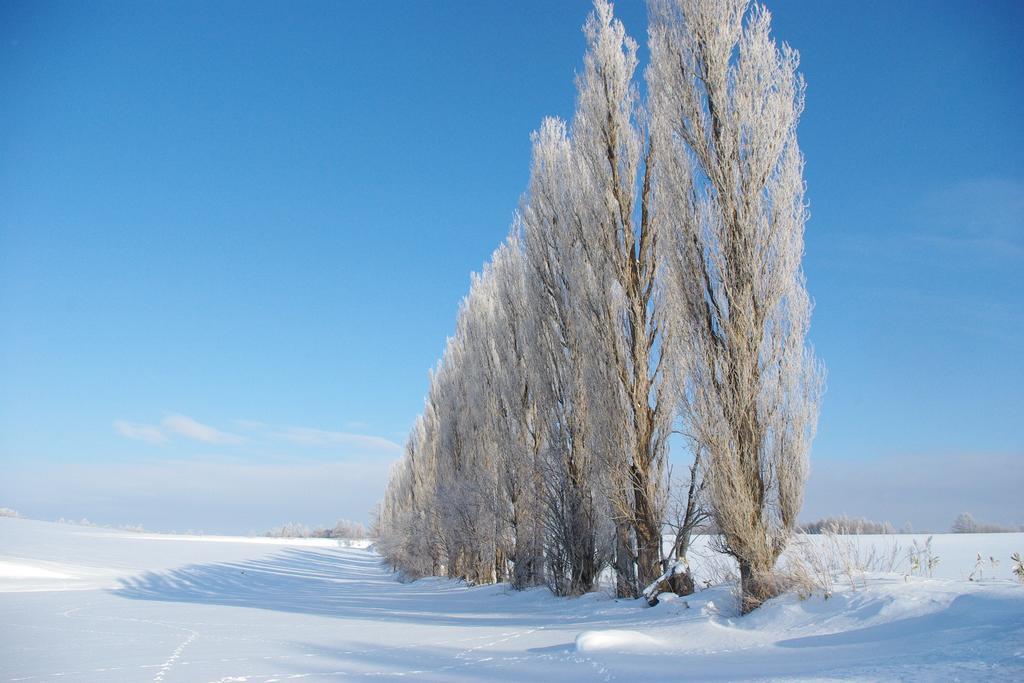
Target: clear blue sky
[(226, 225)]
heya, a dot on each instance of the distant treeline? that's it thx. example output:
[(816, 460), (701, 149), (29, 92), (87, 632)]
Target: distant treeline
[(343, 529), (966, 524), (849, 525), (9, 512), (963, 524)]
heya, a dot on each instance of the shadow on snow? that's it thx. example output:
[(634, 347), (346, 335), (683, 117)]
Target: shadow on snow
[(348, 584)]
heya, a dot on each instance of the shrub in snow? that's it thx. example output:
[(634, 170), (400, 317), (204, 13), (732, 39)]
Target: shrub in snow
[(815, 562), (1018, 566), (922, 560), (8, 512), (978, 573)]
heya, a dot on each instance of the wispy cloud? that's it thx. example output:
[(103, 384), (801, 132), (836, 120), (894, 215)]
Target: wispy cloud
[(256, 434), (140, 432), (185, 426), (174, 425), (307, 436)]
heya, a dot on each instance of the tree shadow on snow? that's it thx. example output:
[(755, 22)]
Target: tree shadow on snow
[(346, 584)]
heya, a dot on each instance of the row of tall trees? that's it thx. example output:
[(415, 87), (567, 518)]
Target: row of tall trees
[(651, 280)]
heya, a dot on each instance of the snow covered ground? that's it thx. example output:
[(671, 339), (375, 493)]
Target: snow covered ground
[(88, 604)]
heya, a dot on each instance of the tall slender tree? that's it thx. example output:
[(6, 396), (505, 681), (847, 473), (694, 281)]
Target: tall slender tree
[(561, 287), (518, 430), (725, 101), (612, 153)]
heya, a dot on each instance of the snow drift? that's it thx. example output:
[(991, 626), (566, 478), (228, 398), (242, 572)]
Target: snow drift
[(96, 605)]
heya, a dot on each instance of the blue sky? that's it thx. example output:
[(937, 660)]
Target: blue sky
[(233, 238)]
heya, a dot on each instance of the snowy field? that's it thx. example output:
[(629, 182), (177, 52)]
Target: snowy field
[(87, 604)]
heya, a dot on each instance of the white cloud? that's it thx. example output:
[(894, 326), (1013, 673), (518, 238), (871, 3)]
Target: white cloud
[(307, 436), (140, 432), (185, 426)]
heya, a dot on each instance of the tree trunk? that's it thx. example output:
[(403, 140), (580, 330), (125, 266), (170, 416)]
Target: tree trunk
[(677, 579), (643, 470), (757, 584), (625, 569), (499, 566), (648, 536), (682, 584)]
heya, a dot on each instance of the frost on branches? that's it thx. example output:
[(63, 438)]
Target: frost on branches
[(651, 279)]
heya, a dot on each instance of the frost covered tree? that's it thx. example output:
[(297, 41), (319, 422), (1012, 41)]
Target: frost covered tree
[(652, 276), (619, 242), (518, 426), (562, 288), (725, 101)]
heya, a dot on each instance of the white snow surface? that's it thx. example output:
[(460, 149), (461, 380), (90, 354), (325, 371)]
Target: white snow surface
[(86, 604)]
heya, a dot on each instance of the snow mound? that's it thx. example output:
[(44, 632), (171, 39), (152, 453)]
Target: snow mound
[(616, 641)]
